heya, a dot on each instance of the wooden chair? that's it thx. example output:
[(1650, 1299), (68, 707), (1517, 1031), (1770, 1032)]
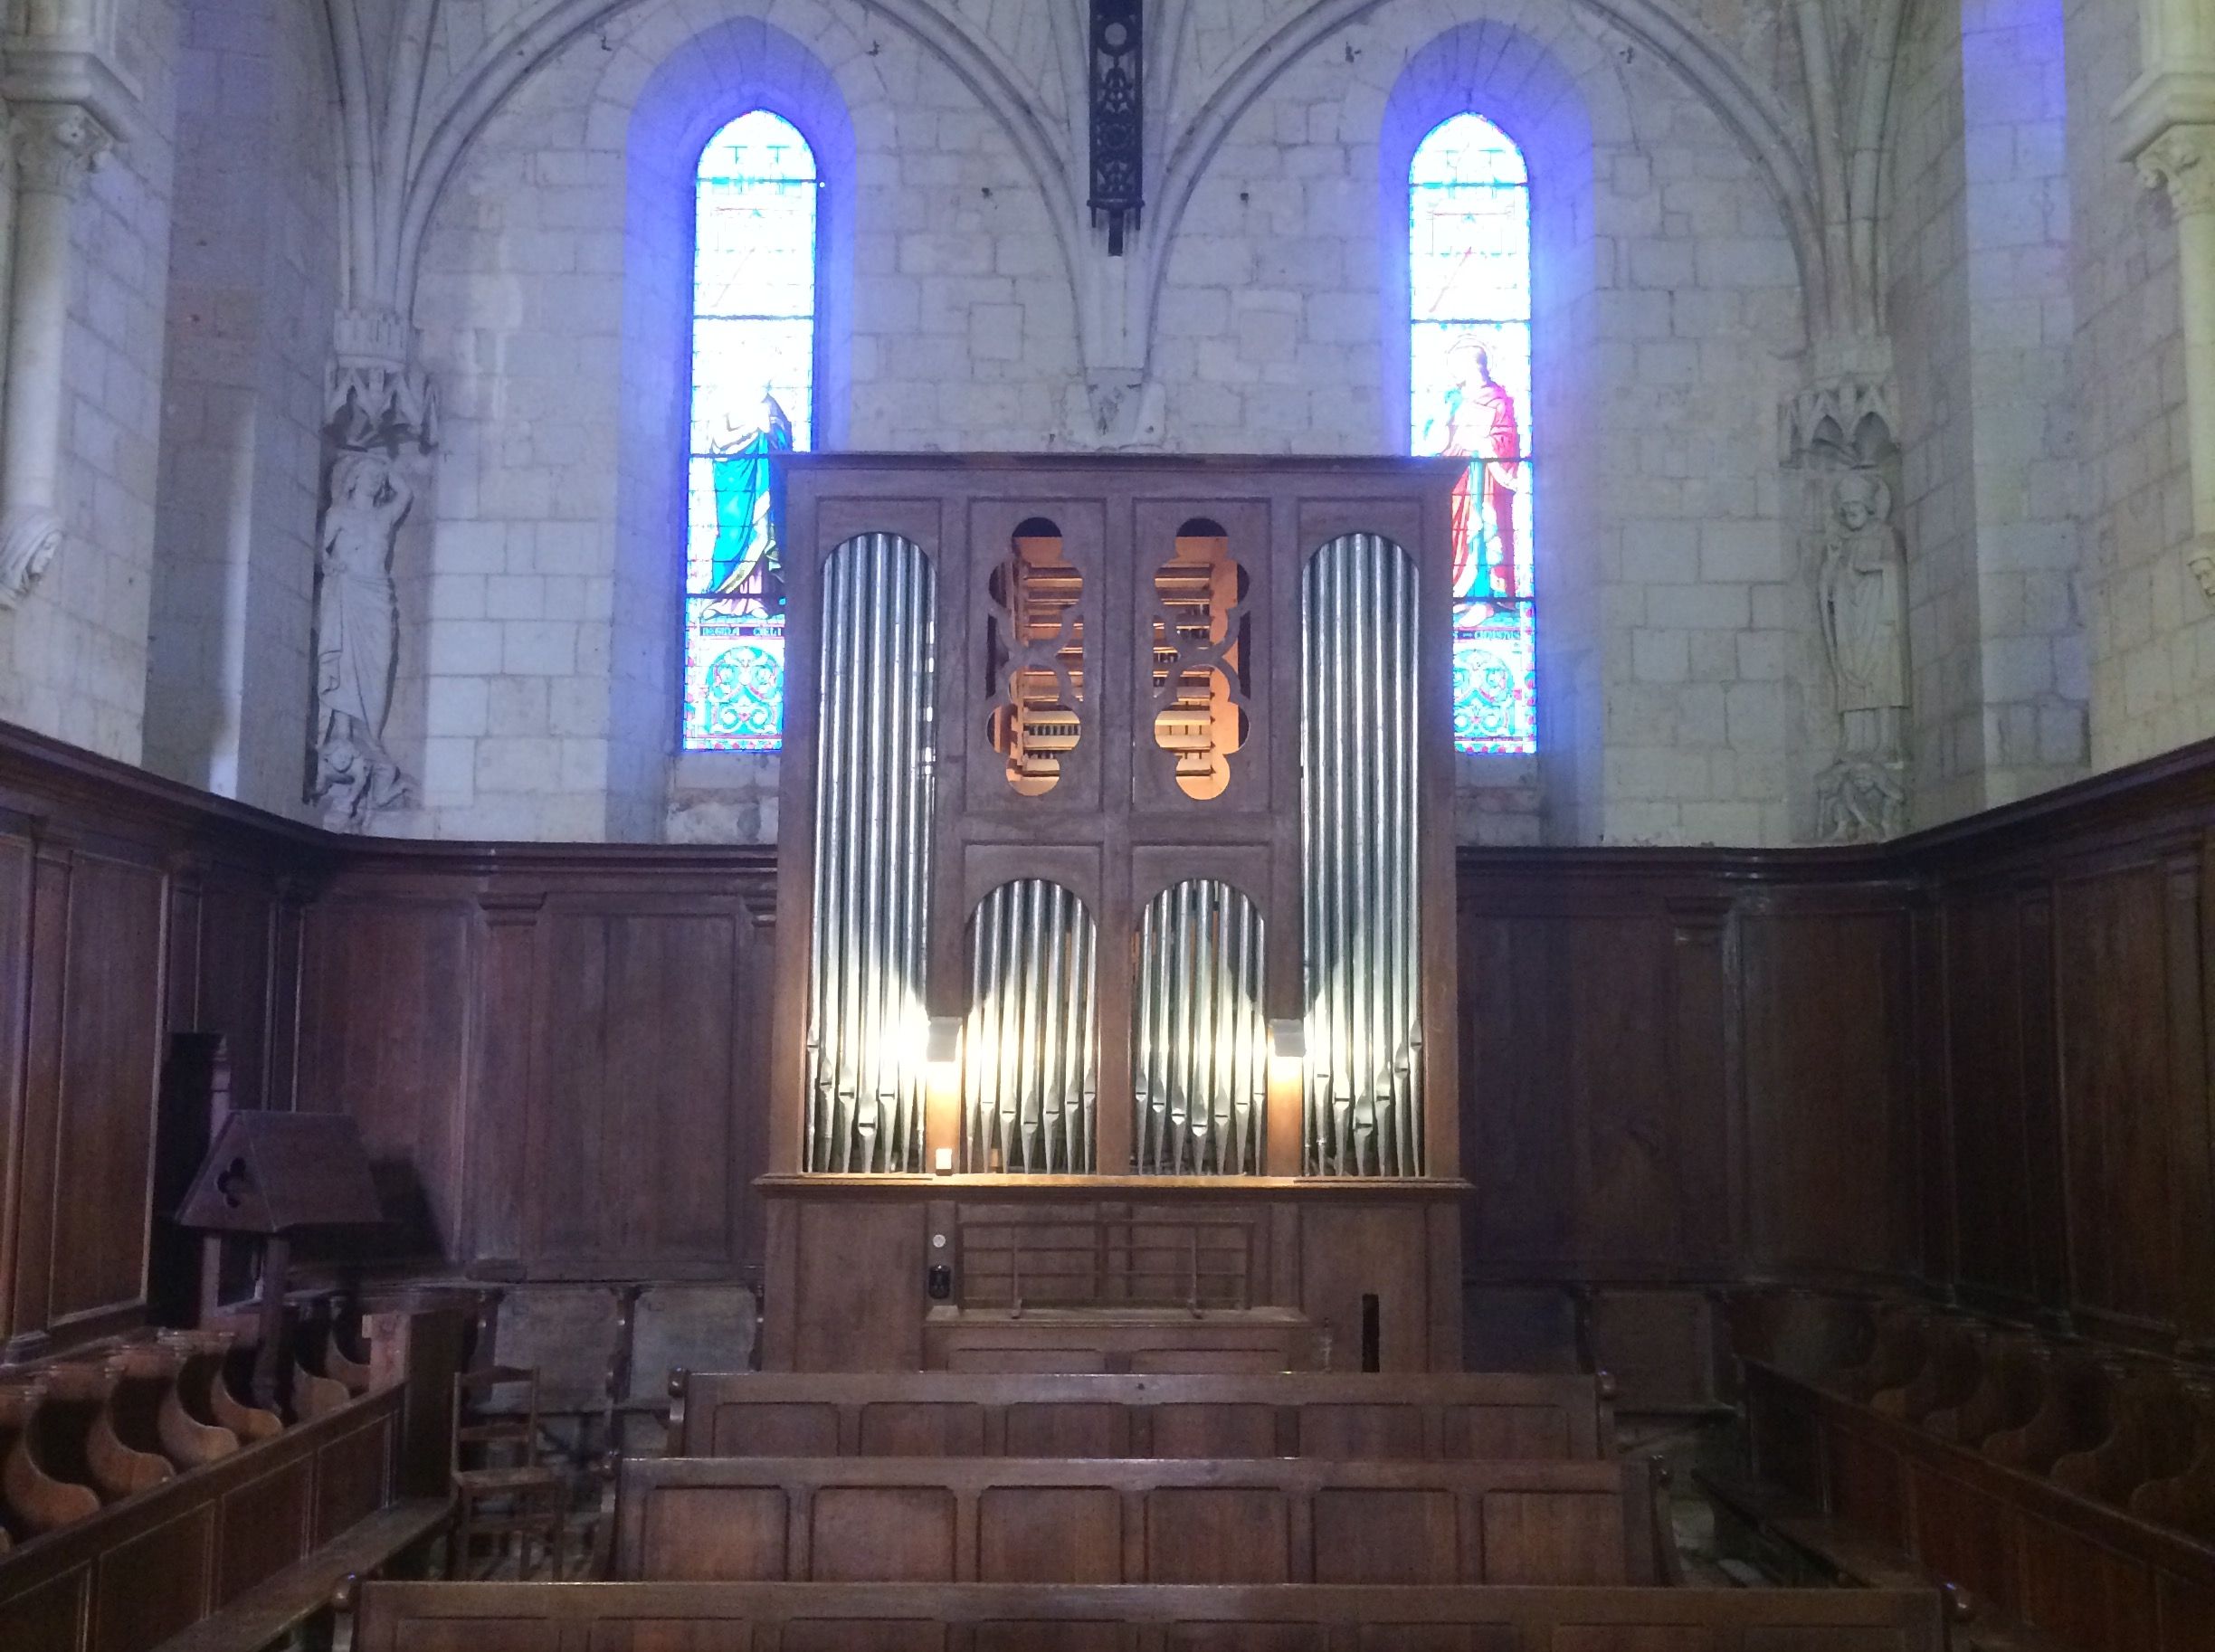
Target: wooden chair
[(501, 1488)]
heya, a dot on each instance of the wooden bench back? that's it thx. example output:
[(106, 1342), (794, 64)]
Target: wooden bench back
[(986, 1617), (959, 1520), (1457, 1416)]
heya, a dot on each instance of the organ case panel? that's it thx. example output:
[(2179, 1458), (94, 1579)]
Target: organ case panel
[(1194, 718)]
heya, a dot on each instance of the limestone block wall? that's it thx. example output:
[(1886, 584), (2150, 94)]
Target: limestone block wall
[(2152, 636), (2022, 327), (1677, 637), (73, 657), (543, 717), (1928, 303), (254, 285), (1982, 314)]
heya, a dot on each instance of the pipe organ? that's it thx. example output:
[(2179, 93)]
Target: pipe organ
[(1115, 793)]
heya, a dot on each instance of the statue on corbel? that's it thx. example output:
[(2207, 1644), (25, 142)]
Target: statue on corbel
[(1862, 593), (380, 428), (1840, 429)]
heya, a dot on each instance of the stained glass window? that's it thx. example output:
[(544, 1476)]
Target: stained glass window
[(752, 395), (1470, 327)]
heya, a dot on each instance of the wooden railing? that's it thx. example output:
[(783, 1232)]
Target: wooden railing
[(1063, 1261)]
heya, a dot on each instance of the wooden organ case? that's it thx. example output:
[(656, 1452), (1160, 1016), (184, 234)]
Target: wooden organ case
[(1115, 1021)]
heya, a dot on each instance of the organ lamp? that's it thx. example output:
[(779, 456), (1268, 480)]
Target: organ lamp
[(1113, 988)]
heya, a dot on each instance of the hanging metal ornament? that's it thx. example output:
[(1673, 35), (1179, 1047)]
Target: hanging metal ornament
[(1119, 141)]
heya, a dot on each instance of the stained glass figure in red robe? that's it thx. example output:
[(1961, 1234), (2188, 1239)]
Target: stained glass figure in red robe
[(1481, 425)]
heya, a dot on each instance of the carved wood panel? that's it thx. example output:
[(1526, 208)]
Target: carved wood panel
[(2111, 963), (630, 1156), (1829, 1117), (384, 1022)]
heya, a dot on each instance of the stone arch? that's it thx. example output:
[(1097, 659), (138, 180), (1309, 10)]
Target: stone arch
[(740, 64), (505, 62), (1751, 115), (1502, 74)]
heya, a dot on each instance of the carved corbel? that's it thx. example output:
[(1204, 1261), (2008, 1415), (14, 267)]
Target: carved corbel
[(2181, 160), (54, 147), (1845, 417), (1118, 410), (376, 397)]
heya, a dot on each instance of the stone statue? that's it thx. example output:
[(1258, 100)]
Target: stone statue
[(1864, 595), (357, 635)]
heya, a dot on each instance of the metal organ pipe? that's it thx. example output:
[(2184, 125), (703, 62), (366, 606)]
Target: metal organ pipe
[(1029, 1063), (1199, 1057), (877, 759), (1359, 821)]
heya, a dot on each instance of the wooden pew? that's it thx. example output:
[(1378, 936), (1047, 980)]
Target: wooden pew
[(1017, 1618), (146, 1506), (1134, 1521), (2046, 1525), (1480, 1417), (152, 1564)]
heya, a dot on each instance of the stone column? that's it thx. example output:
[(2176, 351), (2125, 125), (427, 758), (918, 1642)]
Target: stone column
[(2167, 123), (2183, 160), (55, 147)]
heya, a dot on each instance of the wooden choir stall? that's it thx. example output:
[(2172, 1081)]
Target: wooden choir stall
[(1115, 1021)]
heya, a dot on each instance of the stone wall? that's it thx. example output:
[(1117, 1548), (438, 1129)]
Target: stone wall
[(1928, 303), (73, 655), (1983, 316), (254, 285), (2152, 636), (1674, 625), (2029, 291)]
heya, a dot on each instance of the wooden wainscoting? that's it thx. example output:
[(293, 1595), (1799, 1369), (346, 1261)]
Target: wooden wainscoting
[(1973, 1061)]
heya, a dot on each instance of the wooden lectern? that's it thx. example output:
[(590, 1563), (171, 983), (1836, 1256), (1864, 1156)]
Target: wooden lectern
[(269, 1175)]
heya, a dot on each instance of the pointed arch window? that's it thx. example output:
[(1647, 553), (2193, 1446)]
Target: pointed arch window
[(1469, 379), (754, 304)]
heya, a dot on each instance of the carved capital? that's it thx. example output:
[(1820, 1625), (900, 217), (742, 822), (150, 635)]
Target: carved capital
[(2200, 557), (56, 145), (2181, 160), (30, 535)]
